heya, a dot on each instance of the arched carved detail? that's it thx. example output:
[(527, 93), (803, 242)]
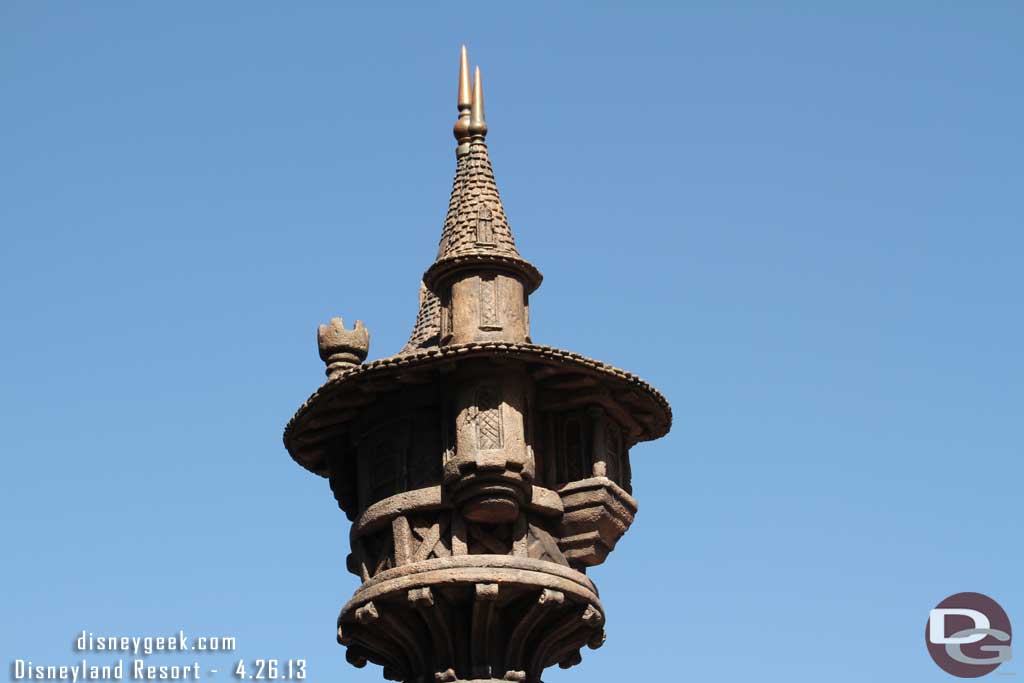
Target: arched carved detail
[(485, 226)]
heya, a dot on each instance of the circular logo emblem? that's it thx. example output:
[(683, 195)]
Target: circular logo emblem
[(968, 635)]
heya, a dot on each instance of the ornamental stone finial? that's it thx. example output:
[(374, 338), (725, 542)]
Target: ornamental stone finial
[(342, 349)]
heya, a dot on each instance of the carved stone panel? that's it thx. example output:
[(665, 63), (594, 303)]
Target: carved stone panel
[(489, 303), (487, 307), (489, 423), (487, 418), (492, 469), (422, 536)]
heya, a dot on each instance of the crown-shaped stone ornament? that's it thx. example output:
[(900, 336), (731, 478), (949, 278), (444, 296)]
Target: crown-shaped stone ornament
[(340, 348)]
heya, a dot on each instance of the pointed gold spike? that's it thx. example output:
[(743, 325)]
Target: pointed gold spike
[(461, 129), (464, 96), (477, 123)]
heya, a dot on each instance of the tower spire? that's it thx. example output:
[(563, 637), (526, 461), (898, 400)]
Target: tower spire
[(477, 124), (464, 102), (476, 234)]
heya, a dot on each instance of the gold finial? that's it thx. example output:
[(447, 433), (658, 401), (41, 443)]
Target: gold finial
[(462, 125), (477, 124)]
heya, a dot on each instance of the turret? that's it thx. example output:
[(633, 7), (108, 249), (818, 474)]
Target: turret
[(483, 287), (481, 281), (482, 473)]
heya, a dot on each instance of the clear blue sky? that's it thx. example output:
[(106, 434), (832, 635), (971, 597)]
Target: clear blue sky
[(802, 222)]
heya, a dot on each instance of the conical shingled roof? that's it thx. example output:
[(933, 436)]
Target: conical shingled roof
[(476, 232), (428, 326), (476, 201)]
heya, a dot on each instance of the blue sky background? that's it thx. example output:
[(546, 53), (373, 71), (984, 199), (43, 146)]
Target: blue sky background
[(802, 222)]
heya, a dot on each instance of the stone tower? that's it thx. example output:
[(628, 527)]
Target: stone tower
[(482, 473)]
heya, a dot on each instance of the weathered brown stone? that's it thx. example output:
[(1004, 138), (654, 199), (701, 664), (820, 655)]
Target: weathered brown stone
[(482, 473), (341, 348), (597, 512)]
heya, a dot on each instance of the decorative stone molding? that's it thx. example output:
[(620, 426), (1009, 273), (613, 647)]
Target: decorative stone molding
[(597, 514)]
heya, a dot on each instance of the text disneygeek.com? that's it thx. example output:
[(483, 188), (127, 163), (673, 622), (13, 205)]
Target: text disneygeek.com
[(136, 668)]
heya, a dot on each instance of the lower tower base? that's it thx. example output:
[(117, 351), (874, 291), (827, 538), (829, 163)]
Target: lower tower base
[(472, 618)]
